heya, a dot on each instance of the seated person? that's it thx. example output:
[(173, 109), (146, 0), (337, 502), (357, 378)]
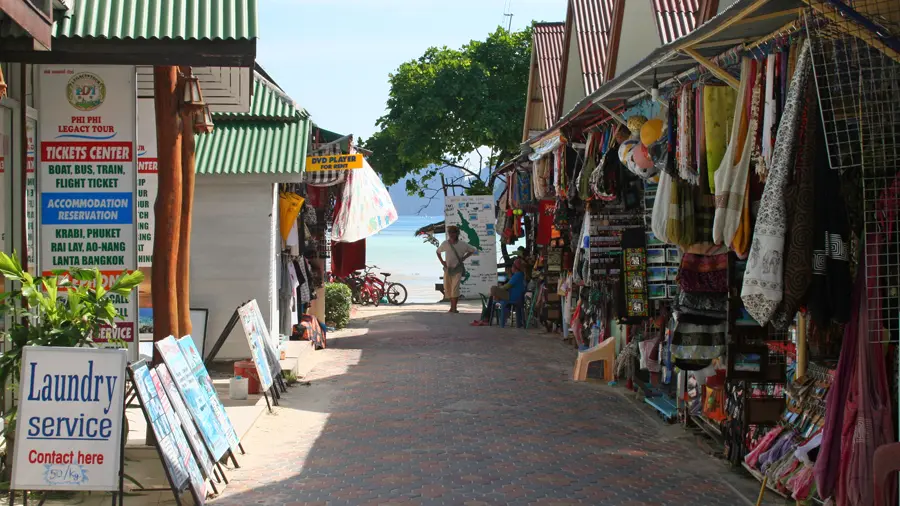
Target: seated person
[(513, 292)]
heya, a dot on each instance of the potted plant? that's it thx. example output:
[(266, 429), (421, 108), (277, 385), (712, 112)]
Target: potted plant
[(66, 308)]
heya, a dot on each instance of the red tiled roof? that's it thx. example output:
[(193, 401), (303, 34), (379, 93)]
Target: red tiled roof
[(677, 18), (594, 25), (548, 48)]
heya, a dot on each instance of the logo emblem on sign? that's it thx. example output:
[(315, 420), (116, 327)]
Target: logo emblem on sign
[(86, 91)]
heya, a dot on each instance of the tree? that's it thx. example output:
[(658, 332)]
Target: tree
[(456, 113)]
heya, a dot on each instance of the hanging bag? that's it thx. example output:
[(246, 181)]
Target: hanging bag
[(459, 268)]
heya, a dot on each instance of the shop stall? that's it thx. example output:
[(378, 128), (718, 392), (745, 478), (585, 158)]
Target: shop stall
[(727, 205)]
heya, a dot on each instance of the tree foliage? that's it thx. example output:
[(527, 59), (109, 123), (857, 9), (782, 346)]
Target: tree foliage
[(451, 103)]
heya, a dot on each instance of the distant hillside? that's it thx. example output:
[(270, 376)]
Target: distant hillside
[(409, 205)]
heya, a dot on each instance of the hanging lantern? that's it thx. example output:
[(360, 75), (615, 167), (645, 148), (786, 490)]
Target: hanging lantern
[(193, 97), (203, 122), (2, 84)]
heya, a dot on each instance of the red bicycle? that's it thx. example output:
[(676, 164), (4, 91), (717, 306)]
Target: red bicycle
[(395, 292)]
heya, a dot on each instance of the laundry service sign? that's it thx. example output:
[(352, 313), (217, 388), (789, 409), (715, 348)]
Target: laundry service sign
[(69, 422), (87, 176)]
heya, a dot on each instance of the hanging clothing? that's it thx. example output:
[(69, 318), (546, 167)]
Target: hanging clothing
[(347, 257), (769, 114), (659, 220), (545, 222), (703, 273), (287, 297), (731, 177), (718, 115), (829, 293), (799, 200), (763, 287), (829, 462), (685, 142)]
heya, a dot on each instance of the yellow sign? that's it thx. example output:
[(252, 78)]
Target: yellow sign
[(333, 162)]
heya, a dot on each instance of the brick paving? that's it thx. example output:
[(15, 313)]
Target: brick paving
[(415, 406)]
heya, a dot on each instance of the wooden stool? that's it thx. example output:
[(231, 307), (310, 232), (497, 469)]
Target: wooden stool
[(605, 351)]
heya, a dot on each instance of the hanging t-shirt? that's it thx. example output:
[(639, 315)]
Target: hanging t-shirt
[(295, 283)]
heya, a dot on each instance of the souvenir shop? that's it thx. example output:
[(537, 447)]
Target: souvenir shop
[(324, 224), (733, 227)]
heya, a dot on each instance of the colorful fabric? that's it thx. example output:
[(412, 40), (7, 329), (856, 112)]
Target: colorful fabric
[(685, 143), (708, 304), (659, 220), (718, 115), (763, 287), (731, 177), (697, 338), (366, 206), (799, 199), (700, 273)]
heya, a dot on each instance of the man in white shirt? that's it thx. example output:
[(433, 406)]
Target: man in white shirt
[(455, 254)]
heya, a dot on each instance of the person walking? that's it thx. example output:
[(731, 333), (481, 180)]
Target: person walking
[(455, 254)]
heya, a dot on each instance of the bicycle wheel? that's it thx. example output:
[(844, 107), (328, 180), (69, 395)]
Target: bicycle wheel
[(396, 294)]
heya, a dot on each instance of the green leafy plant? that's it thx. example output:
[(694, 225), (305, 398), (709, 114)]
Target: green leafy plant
[(67, 308), (290, 378), (337, 304)]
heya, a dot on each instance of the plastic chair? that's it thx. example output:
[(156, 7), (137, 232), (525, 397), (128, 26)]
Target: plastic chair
[(504, 307), (886, 462), (605, 352)]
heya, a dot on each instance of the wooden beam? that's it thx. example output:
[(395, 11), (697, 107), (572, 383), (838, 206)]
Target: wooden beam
[(168, 204), (771, 15), (183, 287), (854, 30), (38, 24), (77, 51), (713, 68), (750, 9), (613, 114)]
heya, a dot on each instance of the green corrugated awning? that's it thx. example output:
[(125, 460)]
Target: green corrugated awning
[(272, 139), (267, 102), (160, 19), (254, 147)]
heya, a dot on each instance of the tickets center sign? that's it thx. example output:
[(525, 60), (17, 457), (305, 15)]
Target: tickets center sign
[(334, 162), (87, 176)]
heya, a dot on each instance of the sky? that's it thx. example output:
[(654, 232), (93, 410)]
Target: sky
[(333, 57)]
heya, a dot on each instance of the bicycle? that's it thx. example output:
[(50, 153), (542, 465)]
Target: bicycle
[(396, 293)]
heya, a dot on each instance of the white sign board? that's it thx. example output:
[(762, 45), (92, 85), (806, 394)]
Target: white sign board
[(475, 217), (69, 423), (87, 177), (147, 183)]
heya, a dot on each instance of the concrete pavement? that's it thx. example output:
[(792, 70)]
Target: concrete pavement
[(413, 406)]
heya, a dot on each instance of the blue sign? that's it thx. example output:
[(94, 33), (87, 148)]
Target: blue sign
[(87, 208), (195, 363)]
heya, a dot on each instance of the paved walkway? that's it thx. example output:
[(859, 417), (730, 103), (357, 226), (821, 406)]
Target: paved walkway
[(414, 406)]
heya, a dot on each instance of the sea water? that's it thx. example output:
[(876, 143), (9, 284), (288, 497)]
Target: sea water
[(410, 260)]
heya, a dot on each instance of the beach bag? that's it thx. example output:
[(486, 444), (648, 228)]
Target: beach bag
[(459, 268)]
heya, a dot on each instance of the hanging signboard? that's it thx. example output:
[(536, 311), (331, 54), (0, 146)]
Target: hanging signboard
[(195, 398), (319, 163), (147, 183), (184, 417), (87, 180), (194, 363), (476, 219), (69, 430), (253, 329), (163, 430)]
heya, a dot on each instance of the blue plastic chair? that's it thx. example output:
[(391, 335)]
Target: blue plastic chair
[(504, 306)]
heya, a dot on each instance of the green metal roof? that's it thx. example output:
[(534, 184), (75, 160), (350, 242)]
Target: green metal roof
[(267, 101), (257, 147), (161, 19)]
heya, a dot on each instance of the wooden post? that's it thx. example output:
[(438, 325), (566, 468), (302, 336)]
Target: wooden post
[(801, 345), (168, 203), (183, 286)]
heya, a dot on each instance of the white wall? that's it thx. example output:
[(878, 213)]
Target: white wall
[(574, 90), (635, 43), (231, 255)]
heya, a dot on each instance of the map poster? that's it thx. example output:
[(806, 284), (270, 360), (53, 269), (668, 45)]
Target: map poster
[(184, 417), (70, 420), (163, 430), (195, 397), (198, 482), (476, 219), (86, 178), (201, 376)]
